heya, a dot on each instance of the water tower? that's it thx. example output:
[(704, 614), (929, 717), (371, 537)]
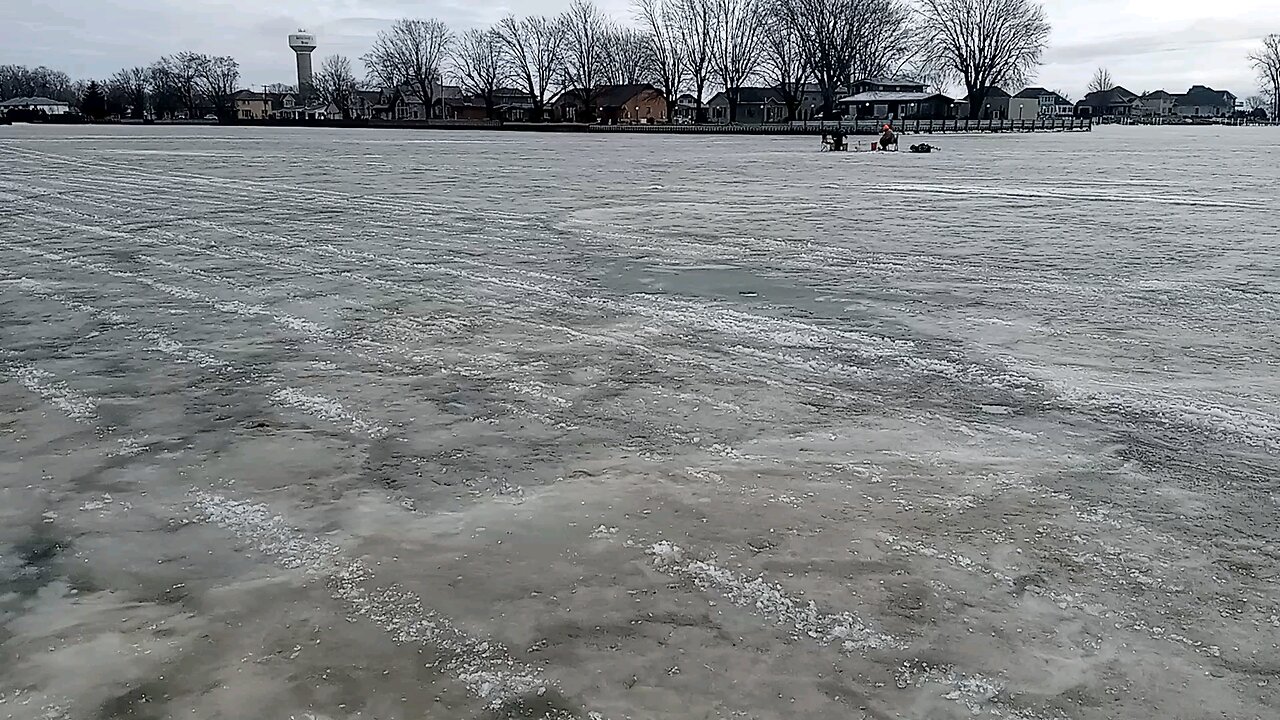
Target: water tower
[(303, 43)]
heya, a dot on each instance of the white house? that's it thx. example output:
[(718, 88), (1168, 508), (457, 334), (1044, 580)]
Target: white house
[(49, 106), (1051, 104)]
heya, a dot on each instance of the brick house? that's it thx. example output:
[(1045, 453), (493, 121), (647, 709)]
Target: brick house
[(612, 105)]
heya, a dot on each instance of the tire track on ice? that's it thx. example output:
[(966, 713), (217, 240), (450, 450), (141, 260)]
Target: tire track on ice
[(281, 394), (484, 667), (978, 695)]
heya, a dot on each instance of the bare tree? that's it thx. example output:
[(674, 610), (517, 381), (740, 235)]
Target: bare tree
[(735, 45), (132, 85), (22, 81), (411, 52), (783, 63), (218, 79), (534, 50), (1101, 81), (180, 74), (479, 66), (984, 43), (844, 40), (694, 22), (165, 98), (626, 60), (664, 52), (336, 84), (1266, 61), (585, 29)]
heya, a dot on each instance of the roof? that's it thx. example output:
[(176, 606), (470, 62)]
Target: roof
[(759, 95), (606, 95), (1159, 95), (989, 93), (1206, 96), (874, 97), (888, 81), (1035, 93), (1106, 98), (615, 95), (25, 101)]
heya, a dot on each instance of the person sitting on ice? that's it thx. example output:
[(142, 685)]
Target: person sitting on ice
[(888, 138)]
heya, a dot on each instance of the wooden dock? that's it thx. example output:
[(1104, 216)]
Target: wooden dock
[(867, 127)]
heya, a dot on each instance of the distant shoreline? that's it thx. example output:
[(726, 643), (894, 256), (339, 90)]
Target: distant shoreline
[(860, 127)]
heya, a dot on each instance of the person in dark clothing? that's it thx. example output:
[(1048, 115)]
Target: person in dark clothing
[(888, 138)]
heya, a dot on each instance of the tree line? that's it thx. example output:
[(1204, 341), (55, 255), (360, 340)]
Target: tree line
[(691, 46), (187, 82)]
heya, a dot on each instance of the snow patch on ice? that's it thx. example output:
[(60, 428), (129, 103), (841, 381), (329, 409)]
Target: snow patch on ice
[(485, 667), (844, 629), (57, 393)]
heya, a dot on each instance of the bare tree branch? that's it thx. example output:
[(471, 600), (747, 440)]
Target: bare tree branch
[(735, 45), (411, 52), (984, 43), (479, 67), (534, 49), (336, 84), (784, 65), (626, 60), (694, 28), (664, 52), (585, 29), (845, 40), (218, 79), (1101, 81), (132, 84), (1266, 61)]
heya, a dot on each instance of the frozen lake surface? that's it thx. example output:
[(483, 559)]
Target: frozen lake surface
[(400, 425)]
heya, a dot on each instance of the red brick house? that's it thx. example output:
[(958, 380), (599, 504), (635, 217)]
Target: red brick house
[(612, 105)]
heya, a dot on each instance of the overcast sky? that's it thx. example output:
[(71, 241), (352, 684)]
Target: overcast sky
[(1147, 44)]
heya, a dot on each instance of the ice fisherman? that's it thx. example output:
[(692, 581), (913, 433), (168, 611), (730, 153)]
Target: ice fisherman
[(888, 138)]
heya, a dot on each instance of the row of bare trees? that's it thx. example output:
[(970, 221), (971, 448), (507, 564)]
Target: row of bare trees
[(187, 82), (693, 45)]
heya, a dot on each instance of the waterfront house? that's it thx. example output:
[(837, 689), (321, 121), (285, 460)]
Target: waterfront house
[(1049, 103), (250, 105), (612, 105), (45, 105), (994, 104), (686, 109), (756, 106), (1202, 101), (1114, 103), (896, 105), (893, 98), (1157, 104)]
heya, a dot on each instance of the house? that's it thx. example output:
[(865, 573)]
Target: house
[(365, 103), (250, 105), (1114, 103), (686, 110), (1201, 101), (45, 105), (896, 105), (756, 106), (893, 98), (866, 85), (1051, 104), (613, 104), (994, 102), (513, 105), (1157, 104)]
